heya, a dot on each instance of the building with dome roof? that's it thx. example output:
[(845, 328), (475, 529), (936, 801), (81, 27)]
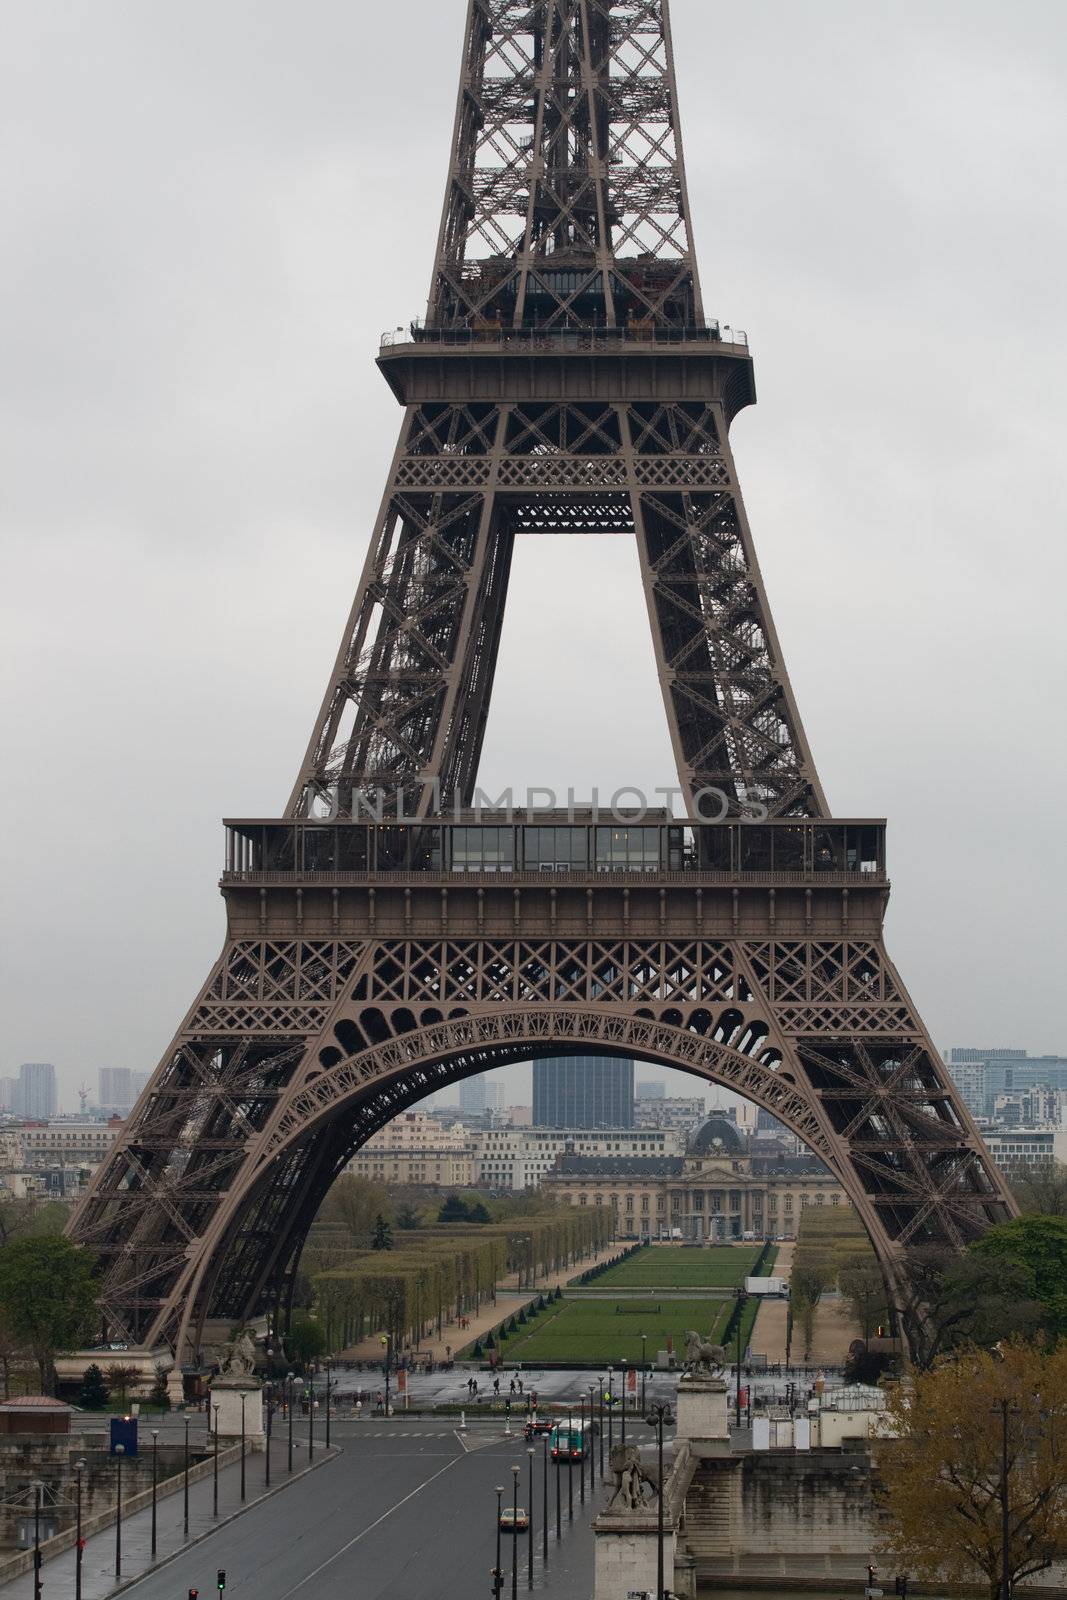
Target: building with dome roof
[(718, 1191)]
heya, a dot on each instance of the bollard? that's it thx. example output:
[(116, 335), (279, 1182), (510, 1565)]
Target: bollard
[(463, 1422)]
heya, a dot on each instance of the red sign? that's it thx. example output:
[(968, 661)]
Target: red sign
[(402, 1381), (631, 1380)]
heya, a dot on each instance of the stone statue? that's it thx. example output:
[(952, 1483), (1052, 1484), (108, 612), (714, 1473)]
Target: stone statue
[(240, 1358), (635, 1481), (702, 1359)]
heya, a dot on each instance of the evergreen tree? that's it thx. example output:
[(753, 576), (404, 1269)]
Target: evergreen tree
[(383, 1239), (159, 1395), (94, 1390)]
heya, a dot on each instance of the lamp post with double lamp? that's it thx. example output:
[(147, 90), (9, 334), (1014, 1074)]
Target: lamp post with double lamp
[(498, 1576), (79, 1542), (155, 1481), (515, 1533), (120, 1451), (657, 1417), (215, 1455), (185, 1485), (530, 1521), (741, 1297)]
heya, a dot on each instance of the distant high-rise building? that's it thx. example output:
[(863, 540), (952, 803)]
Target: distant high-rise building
[(982, 1075), (583, 1092), (34, 1095), (651, 1089), (472, 1094), (120, 1088), (495, 1096), (7, 1094)]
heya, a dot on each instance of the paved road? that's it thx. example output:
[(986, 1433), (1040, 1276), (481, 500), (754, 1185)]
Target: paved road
[(406, 1511)]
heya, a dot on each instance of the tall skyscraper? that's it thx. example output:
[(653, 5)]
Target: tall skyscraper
[(583, 1092), (651, 1089), (34, 1095)]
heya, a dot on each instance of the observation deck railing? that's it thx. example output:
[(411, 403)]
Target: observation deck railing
[(774, 853), (555, 339)]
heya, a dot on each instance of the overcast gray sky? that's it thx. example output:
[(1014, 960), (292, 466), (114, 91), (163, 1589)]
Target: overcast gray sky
[(211, 212)]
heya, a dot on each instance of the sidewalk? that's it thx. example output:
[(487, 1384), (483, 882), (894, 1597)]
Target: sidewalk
[(769, 1331), (509, 1298), (98, 1558)]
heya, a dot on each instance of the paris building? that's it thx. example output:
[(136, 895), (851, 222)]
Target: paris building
[(718, 1191)]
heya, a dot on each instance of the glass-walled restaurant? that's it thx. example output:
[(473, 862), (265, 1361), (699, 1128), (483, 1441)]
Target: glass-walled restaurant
[(805, 847)]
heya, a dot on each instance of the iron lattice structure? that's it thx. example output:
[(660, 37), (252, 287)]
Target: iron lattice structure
[(565, 379)]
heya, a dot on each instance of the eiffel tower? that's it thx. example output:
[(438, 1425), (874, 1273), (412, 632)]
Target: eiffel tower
[(387, 936)]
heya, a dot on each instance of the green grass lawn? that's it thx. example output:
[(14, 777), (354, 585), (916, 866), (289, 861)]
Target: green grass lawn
[(669, 1267), (593, 1331)]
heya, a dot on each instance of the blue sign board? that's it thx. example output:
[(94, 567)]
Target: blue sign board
[(124, 1433)]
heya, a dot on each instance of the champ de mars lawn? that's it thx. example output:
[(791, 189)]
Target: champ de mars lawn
[(590, 1326)]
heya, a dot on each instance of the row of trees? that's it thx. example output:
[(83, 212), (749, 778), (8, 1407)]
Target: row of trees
[(833, 1252), (447, 1270)]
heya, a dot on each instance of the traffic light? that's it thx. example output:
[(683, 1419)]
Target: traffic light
[(221, 1580)]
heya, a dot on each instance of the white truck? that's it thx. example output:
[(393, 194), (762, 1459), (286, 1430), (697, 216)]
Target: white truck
[(767, 1286)]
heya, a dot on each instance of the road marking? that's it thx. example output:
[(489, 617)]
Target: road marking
[(376, 1523)]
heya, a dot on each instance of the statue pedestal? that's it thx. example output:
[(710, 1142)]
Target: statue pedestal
[(702, 1407), (625, 1554), (228, 1393)]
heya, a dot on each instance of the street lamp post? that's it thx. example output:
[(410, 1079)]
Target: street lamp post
[(37, 1541), (1005, 1408), (120, 1451), (623, 1380), (600, 1413), (311, 1417), (289, 1409), (298, 1386), (155, 1481), (268, 1395), (581, 1458), (215, 1510), (544, 1503), (657, 1416), (185, 1486), (498, 1576), (328, 1387), (611, 1409), (644, 1368), (530, 1522), (592, 1432), (79, 1542), (570, 1466), (742, 1298), (515, 1533), (559, 1491), (242, 1448)]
